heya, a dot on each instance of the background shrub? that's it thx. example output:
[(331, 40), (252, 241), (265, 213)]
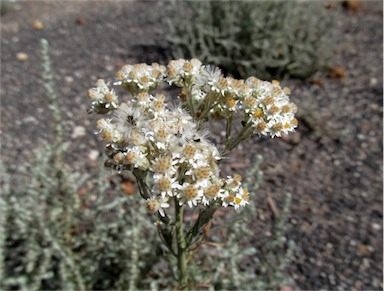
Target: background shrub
[(268, 39)]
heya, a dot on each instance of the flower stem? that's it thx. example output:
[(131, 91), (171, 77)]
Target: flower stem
[(242, 135), (181, 246), (188, 89)]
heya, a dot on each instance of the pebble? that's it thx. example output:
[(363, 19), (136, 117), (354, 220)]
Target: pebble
[(376, 226), (22, 57), (38, 25), (68, 79), (78, 131), (93, 155), (373, 81)]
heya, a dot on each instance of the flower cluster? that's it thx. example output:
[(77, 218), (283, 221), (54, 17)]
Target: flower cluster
[(265, 105), (145, 135)]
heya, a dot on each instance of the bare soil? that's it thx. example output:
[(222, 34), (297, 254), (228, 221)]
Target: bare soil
[(332, 165)]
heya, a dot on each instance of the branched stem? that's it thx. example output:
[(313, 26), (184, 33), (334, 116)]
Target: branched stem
[(188, 89), (242, 135), (228, 128)]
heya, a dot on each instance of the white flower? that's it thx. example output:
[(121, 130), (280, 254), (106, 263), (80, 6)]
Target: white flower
[(180, 70), (102, 97), (136, 156), (129, 115), (209, 76), (164, 165), (190, 194), (157, 204), (140, 77), (166, 185), (109, 131)]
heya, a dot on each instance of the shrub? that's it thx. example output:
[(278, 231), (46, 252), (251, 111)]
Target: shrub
[(269, 39)]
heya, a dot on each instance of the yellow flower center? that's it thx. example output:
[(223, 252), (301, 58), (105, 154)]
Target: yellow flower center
[(250, 101), (274, 109), (231, 102), (230, 198), (268, 100), (278, 126), (203, 172), (108, 97), (189, 151), (258, 113), (211, 191), (285, 109), (294, 122), (107, 136), (131, 157), (190, 192), (153, 205), (164, 183), (163, 164), (245, 195), (238, 200), (261, 126)]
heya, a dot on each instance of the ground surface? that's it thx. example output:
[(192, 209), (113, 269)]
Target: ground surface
[(332, 165)]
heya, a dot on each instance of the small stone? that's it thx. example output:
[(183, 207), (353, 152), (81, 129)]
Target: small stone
[(261, 215), (68, 79), (78, 131), (81, 21), (373, 81), (22, 57), (366, 263), (362, 249), (93, 155), (38, 25), (376, 226)]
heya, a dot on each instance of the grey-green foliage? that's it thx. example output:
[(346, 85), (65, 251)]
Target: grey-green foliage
[(245, 260), (54, 238), (267, 39), (61, 229)]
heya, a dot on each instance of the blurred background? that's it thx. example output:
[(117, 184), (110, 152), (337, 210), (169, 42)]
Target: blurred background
[(316, 219)]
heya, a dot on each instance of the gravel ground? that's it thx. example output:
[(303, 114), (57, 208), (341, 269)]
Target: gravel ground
[(332, 165)]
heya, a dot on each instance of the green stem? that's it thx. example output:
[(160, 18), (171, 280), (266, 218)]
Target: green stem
[(243, 134), (181, 246), (208, 103), (188, 89), (228, 128)]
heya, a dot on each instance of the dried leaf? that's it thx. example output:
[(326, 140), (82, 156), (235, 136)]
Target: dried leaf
[(317, 81), (352, 5), (337, 72), (272, 207), (128, 187), (81, 21)]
